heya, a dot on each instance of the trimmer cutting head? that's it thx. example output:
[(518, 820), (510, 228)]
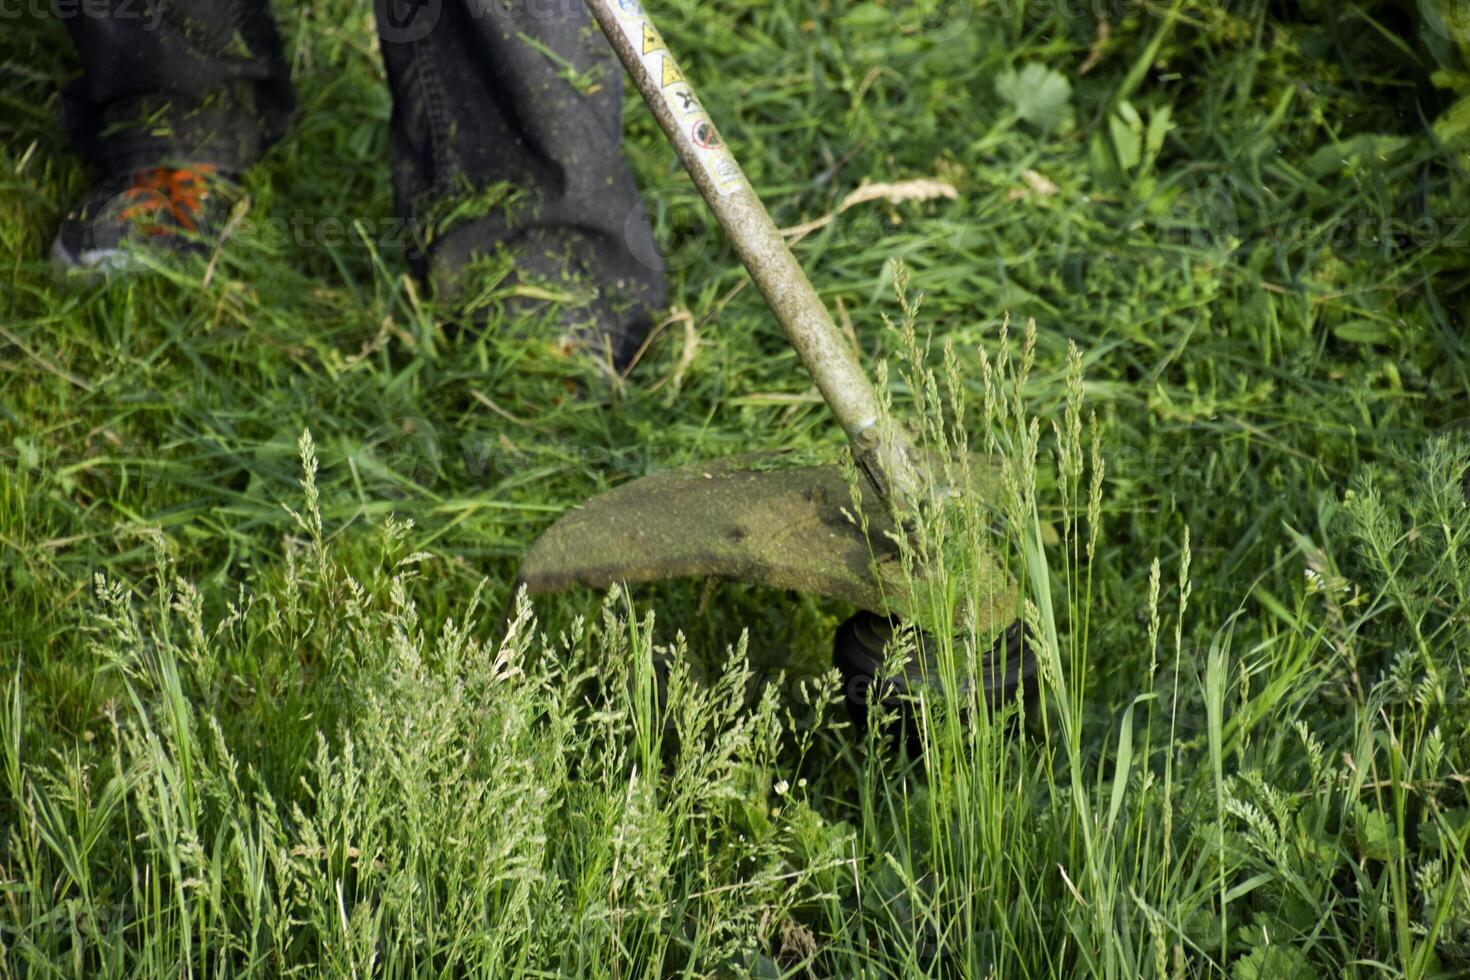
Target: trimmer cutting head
[(804, 528), (750, 519), (744, 519)]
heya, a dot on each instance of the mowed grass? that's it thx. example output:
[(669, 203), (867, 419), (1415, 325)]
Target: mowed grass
[(265, 713)]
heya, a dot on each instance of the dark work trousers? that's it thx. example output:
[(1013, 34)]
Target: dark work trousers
[(482, 94)]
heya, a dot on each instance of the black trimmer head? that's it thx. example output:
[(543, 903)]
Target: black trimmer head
[(1005, 672)]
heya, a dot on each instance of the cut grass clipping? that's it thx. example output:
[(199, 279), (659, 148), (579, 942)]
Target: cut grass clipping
[(264, 714)]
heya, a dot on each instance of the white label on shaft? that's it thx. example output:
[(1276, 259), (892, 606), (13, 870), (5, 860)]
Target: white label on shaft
[(698, 129)]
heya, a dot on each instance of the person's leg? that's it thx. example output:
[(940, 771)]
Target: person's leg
[(525, 93), (176, 98), (197, 81)]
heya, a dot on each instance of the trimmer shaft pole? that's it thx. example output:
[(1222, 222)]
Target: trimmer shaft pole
[(881, 448)]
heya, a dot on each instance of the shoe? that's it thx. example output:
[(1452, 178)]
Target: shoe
[(176, 210), (559, 285)]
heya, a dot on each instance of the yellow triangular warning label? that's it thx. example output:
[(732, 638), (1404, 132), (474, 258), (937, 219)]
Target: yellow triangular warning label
[(651, 40), (672, 74)]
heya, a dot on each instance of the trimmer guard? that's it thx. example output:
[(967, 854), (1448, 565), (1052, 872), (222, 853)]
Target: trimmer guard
[(748, 519)]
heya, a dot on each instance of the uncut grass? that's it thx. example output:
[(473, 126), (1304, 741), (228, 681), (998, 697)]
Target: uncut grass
[(1246, 371)]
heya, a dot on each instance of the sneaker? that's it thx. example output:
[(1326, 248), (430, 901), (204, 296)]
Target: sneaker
[(169, 209), (558, 287)]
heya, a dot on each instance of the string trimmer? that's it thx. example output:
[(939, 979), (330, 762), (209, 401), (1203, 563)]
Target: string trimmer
[(752, 520)]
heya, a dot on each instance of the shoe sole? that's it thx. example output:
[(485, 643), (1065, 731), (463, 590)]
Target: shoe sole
[(101, 261)]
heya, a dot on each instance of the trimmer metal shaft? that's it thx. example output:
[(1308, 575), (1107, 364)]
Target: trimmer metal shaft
[(880, 446)]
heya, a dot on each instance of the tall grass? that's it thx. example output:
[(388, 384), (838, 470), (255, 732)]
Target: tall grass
[(487, 800), (263, 745), (476, 796)]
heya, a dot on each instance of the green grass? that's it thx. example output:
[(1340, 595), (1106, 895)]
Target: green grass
[(256, 728)]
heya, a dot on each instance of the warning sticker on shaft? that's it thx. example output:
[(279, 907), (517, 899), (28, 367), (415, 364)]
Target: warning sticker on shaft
[(698, 131), (651, 41)]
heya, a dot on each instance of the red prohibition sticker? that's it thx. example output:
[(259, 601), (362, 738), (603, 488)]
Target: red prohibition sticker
[(705, 136), (713, 156)]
